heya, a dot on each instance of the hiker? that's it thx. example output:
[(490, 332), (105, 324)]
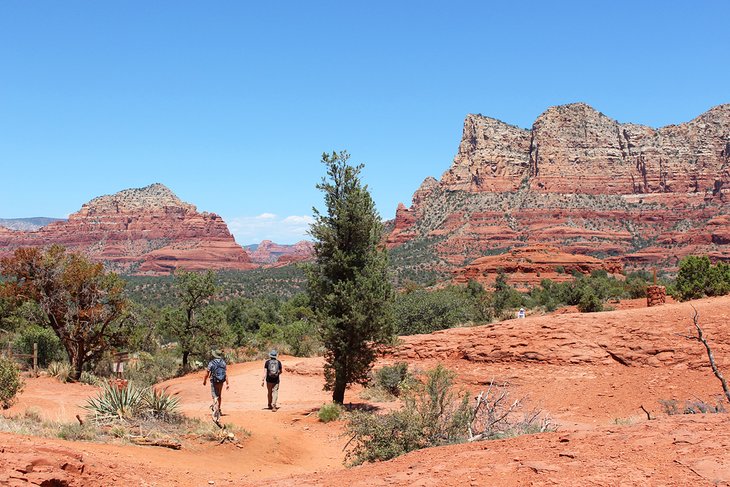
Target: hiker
[(217, 373), (521, 313), (272, 370)]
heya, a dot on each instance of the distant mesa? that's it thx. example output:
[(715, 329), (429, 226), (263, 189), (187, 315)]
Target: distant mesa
[(525, 267), (581, 182), (268, 253), (140, 231)]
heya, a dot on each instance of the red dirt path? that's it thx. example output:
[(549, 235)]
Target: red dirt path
[(593, 374)]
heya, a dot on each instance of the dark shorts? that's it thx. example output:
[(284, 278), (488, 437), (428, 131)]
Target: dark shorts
[(215, 389)]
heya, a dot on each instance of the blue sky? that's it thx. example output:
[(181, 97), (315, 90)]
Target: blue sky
[(231, 104)]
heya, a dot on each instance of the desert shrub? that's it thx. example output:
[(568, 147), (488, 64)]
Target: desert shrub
[(114, 402), (433, 414), (76, 432), (391, 377), (10, 382), (329, 412), (59, 370), (590, 302), (302, 338), (697, 277), (697, 406), (422, 311), (89, 378), (132, 402), (159, 404), (49, 346), (150, 369)]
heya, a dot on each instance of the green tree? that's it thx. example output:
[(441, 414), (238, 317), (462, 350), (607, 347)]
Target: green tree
[(194, 323), (84, 305), (692, 278), (348, 284)]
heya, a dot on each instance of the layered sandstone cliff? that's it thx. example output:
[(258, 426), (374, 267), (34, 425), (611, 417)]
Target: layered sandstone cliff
[(580, 181), (147, 231)]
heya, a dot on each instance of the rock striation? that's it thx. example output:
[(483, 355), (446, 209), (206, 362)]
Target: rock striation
[(527, 266), (580, 181), (141, 231)]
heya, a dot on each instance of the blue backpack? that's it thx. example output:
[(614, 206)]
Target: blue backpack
[(218, 373)]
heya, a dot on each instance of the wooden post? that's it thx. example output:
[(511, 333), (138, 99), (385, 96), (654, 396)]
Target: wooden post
[(10, 352), (35, 359)]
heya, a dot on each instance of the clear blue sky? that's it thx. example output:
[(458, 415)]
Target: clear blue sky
[(230, 103)]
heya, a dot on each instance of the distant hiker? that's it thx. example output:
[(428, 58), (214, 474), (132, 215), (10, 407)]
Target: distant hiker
[(217, 373), (521, 313), (272, 371)]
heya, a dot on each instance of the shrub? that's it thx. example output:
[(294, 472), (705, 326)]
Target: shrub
[(49, 346), (672, 406), (10, 382), (151, 369), (89, 378), (76, 432), (391, 377), (132, 402), (59, 370), (433, 414), (590, 302), (329, 412), (115, 402), (161, 405), (302, 339)]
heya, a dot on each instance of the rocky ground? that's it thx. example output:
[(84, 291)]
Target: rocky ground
[(591, 373)]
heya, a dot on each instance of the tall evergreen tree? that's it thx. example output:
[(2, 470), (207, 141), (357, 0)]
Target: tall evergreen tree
[(348, 284)]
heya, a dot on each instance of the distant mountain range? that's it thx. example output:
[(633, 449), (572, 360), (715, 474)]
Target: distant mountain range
[(27, 224)]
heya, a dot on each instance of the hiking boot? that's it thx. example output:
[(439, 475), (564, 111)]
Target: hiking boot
[(274, 408)]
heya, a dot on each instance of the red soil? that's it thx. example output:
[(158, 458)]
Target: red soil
[(594, 373)]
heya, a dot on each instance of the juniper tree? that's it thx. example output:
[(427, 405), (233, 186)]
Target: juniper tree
[(348, 284)]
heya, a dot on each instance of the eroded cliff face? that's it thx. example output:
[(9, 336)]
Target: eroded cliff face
[(582, 182), (145, 231)]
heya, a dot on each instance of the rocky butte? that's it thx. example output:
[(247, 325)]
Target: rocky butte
[(142, 231), (580, 181)]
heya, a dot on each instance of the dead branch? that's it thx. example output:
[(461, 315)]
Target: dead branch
[(155, 442), (648, 416), (715, 370), (81, 421)]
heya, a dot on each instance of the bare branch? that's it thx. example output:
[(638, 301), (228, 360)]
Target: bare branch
[(715, 370)]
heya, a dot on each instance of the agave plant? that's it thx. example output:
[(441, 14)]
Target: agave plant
[(114, 402), (59, 370), (160, 404)]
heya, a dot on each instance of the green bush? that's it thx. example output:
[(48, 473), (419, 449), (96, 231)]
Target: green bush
[(391, 377), (329, 412), (10, 382), (150, 369), (433, 414), (423, 311), (302, 338), (49, 346), (590, 302), (76, 432)]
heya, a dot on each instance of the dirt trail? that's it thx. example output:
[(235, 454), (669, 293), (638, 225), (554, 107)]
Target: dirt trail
[(604, 436)]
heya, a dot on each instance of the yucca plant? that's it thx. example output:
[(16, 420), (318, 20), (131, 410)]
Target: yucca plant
[(160, 404), (114, 402), (59, 370)]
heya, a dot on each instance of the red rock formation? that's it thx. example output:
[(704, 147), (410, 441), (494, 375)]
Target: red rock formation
[(527, 266), (147, 231), (582, 182), (268, 252)]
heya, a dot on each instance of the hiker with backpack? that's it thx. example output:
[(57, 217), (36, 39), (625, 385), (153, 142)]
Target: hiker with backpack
[(217, 373), (272, 371)]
